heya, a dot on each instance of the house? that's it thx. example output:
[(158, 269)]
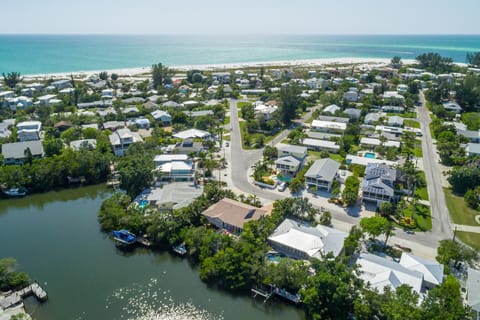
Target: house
[(471, 135), (188, 146), (373, 142), (380, 272), (46, 100), (299, 241), (29, 130), (395, 121), (107, 93), (321, 135), (393, 109), (5, 132), (372, 118), (378, 183), (61, 84), (221, 77), (393, 96), (266, 111), (122, 139), (192, 134), (200, 113), (18, 103), (329, 126), (142, 123), (473, 291), (175, 167), (364, 161), (402, 88), (321, 145), (84, 143), (288, 165), (298, 152), (95, 104), (231, 215), (172, 104), (353, 113), (173, 196), (350, 96), (134, 100), (472, 149), (321, 174), (452, 106), (432, 271), (113, 125), (63, 125), (16, 153), (332, 109), (334, 119), (163, 116)]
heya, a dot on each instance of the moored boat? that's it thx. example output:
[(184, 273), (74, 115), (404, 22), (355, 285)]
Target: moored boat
[(124, 237), (15, 192)]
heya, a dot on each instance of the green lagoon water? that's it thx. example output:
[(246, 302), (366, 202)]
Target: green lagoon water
[(34, 54), (55, 237)]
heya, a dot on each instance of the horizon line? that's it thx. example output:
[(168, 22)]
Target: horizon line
[(235, 34)]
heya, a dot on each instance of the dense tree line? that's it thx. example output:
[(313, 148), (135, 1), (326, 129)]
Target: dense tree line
[(434, 62), (49, 173)]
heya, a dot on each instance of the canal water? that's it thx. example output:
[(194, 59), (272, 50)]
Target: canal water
[(56, 238)]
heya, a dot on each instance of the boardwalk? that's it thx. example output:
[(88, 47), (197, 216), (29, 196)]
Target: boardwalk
[(17, 297)]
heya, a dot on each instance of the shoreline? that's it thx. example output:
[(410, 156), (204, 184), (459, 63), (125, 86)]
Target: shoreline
[(129, 72)]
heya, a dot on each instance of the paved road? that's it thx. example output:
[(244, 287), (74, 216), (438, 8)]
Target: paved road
[(423, 243), (441, 224)]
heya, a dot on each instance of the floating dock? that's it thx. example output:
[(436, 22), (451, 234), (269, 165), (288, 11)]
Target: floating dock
[(17, 297), (264, 294)]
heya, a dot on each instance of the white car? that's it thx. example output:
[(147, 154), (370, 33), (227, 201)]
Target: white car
[(282, 186)]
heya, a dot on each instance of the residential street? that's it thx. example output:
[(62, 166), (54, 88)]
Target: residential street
[(422, 243), (441, 224)]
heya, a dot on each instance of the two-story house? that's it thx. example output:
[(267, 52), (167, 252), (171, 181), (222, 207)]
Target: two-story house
[(122, 139), (378, 183)]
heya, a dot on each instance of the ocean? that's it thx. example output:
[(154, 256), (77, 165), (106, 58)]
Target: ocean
[(34, 54)]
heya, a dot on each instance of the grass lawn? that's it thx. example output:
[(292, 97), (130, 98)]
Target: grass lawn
[(254, 137), (421, 216), (411, 123), (422, 193), (412, 115), (226, 120), (336, 157), (226, 138), (315, 155), (418, 150), (460, 213), (469, 238)]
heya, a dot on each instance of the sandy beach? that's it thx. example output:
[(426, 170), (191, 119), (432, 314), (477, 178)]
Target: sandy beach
[(130, 72)]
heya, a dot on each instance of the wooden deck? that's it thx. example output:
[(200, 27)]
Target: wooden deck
[(17, 297)]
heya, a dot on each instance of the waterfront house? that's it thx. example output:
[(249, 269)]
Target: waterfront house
[(231, 215), (174, 167), (298, 152), (378, 183), (329, 126), (173, 196), (321, 174), (122, 139), (16, 153), (29, 130), (300, 241)]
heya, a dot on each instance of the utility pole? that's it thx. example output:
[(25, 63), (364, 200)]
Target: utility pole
[(454, 233)]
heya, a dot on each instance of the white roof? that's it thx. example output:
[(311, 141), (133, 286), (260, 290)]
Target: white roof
[(380, 272), (329, 125), (331, 108), (432, 271), (377, 142), (170, 157), (365, 161), (29, 125), (314, 241), (175, 165), (191, 133), (321, 143)]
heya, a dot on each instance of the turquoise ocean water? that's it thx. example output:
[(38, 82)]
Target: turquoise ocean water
[(32, 54)]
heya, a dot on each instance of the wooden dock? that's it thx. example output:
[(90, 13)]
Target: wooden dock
[(17, 297), (264, 294)]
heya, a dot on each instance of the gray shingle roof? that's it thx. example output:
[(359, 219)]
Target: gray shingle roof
[(17, 150), (325, 169)]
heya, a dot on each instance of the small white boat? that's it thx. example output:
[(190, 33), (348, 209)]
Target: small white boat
[(15, 192)]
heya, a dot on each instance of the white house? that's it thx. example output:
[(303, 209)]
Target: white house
[(192, 134), (300, 241), (122, 139), (61, 84), (29, 130), (321, 145), (46, 99), (331, 109), (378, 183), (328, 126), (288, 165), (298, 152)]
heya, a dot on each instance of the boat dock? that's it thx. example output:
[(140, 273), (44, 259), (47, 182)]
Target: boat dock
[(295, 298), (264, 294), (17, 297)]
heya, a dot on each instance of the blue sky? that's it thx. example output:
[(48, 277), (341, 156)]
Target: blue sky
[(241, 17)]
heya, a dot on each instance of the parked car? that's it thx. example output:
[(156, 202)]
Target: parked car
[(282, 186)]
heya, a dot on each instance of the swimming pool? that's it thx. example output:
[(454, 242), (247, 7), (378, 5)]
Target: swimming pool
[(369, 155), (142, 204)]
